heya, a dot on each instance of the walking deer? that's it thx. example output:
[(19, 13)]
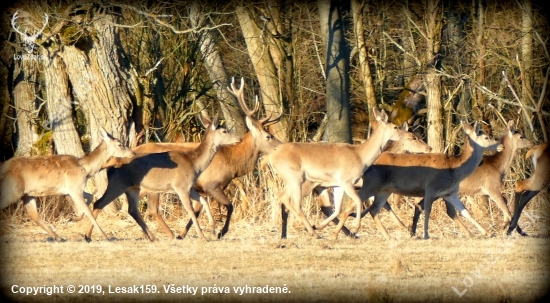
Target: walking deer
[(529, 188), (337, 165), (407, 143), (431, 176), (487, 179), (31, 177), (174, 172), (231, 161)]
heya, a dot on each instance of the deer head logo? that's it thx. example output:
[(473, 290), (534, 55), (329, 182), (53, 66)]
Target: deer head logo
[(28, 40)]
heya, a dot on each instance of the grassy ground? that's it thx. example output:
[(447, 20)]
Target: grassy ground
[(495, 269)]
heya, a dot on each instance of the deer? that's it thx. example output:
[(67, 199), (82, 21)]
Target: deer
[(230, 162), (487, 179), (527, 189), (336, 165), (27, 178), (431, 176), (407, 143), (172, 172)]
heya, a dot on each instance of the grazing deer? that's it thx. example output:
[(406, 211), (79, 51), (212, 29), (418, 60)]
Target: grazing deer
[(31, 177), (407, 143), (529, 188), (174, 172), (487, 179), (431, 176), (337, 165), (230, 162)]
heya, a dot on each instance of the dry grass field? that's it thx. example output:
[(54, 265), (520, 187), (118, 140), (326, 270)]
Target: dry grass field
[(481, 269)]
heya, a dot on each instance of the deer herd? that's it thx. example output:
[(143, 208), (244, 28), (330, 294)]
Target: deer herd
[(392, 161)]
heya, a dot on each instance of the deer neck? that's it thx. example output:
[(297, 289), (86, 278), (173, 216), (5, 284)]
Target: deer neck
[(469, 159), (242, 156), (93, 161), (204, 154), (502, 160), (373, 147)]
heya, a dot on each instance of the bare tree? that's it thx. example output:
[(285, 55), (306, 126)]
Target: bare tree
[(336, 53)]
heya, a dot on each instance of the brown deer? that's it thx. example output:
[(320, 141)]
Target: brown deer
[(431, 176), (529, 188), (230, 162), (31, 177), (487, 179), (337, 165), (173, 172), (407, 143)]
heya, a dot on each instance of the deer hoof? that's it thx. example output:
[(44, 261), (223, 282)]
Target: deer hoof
[(88, 239), (179, 237), (521, 232)]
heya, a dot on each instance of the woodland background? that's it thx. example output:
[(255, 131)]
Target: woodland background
[(144, 69)]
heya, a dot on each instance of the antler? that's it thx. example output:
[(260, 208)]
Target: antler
[(239, 94)]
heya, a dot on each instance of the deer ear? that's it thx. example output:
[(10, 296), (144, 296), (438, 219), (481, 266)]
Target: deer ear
[(104, 134), (215, 122), (467, 128), (251, 125), (511, 126), (405, 126), (204, 120)]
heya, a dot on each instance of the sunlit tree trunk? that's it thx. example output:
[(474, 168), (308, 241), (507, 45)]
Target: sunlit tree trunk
[(336, 53), (25, 82), (59, 106), (481, 70), (527, 57), (433, 17), (217, 73), (359, 31), (265, 70)]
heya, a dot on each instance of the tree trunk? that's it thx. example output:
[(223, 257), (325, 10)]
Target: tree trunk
[(97, 75), (527, 58), (433, 17), (265, 71), (25, 82), (481, 70), (217, 73), (359, 30), (59, 106), (337, 71)]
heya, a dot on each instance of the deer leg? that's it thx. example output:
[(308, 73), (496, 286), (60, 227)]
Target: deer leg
[(196, 198), (379, 200), (153, 209), (338, 197), (455, 201), (294, 191), (326, 208), (218, 195), (197, 207), (186, 201), (417, 211), (501, 202), (79, 215), (78, 200), (451, 212), (32, 212), (132, 196), (428, 201), (114, 190), (396, 219), (521, 199)]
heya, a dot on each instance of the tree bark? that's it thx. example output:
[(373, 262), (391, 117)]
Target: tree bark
[(359, 30), (481, 74), (337, 71), (59, 106), (97, 75), (25, 82), (265, 71), (527, 58), (433, 17), (217, 73)]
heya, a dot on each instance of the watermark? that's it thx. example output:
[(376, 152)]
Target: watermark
[(489, 259), (49, 290), (26, 57), (28, 40)]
